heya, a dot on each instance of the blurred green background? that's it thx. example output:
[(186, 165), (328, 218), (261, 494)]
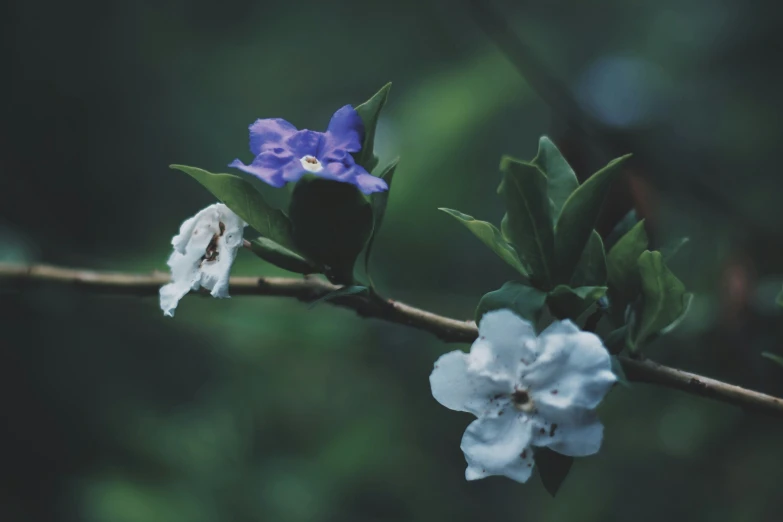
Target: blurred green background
[(258, 409)]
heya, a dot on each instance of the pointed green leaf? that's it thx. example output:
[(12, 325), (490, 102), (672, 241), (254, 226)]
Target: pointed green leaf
[(621, 228), (340, 292), (280, 256), (490, 236), (378, 201), (561, 180), (369, 111), (687, 301), (591, 269), (246, 202), (553, 468), (504, 228), (615, 340), (569, 303), (772, 357), (524, 300), (672, 248), (579, 216), (622, 263), (664, 299), (529, 223), (331, 223)]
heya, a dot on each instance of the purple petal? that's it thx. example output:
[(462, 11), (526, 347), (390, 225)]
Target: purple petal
[(304, 143), (338, 171), (345, 131), (355, 175), (336, 155), (293, 171), (368, 183), (268, 134), (268, 166)]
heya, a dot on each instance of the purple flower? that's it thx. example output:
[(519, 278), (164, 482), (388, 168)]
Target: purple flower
[(284, 154)]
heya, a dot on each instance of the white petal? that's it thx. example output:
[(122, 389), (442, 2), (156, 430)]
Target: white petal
[(578, 439), (188, 272), (215, 274), (231, 221), (571, 374), (458, 388), (505, 341), (171, 293), (185, 276), (180, 241), (205, 218), (498, 446)]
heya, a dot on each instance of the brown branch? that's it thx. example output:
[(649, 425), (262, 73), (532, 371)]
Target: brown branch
[(309, 289)]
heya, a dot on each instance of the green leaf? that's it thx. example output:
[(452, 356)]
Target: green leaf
[(529, 223), (664, 298), (340, 292), (569, 303), (553, 468), (331, 223), (280, 256), (617, 369), (579, 216), (687, 300), (615, 340), (490, 236), (621, 228), (561, 179), (772, 357), (591, 269), (246, 202), (378, 201), (369, 111), (622, 263), (504, 228), (672, 248), (779, 298), (524, 300)]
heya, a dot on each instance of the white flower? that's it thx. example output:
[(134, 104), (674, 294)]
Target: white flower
[(526, 391), (204, 251)]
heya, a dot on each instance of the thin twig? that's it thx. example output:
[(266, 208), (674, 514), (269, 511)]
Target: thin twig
[(309, 289)]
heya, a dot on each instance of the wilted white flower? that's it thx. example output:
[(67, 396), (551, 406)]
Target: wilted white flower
[(204, 251), (526, 390)]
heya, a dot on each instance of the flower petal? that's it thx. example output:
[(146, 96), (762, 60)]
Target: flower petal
[(580, 438), (215, 274), (340, 171), (293, 171), (505, 341), (189, 247), (498, 446), (348, 172), (171, 293), (345, 131), (368, 184), (268, 166), (189, 267), (305, 143), (457, 388), (572, 372), (269, 134)]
